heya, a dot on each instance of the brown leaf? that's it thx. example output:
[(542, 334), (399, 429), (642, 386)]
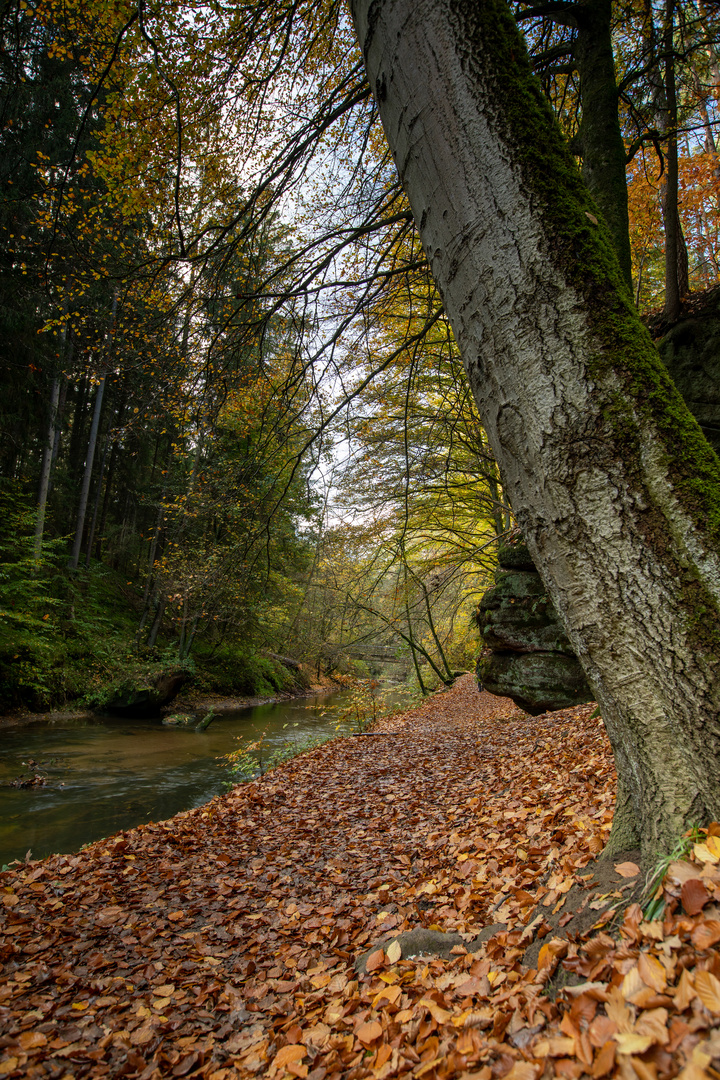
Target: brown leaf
[(375, 960), (369, 1032), (287, 1054), (627, 869), (694, 896), (706, 933)]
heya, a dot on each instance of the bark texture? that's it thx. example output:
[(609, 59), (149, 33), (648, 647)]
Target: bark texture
[(615, 489)]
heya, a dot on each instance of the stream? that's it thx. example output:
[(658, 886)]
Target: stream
[(106, 774)]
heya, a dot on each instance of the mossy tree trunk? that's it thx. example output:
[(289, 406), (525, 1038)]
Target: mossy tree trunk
[(614, 486), (603, 150)]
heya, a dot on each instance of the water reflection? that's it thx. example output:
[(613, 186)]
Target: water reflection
[(116, 774)]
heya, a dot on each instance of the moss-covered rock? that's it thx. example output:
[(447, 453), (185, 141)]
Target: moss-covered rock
[(528, 656), (536, 681), (517, 614)]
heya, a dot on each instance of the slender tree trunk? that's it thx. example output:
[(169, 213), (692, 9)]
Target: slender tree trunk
[(85, 489), (614, 487), (96, 503), (674, 241), (45, 468), (60, 416), (155, 629)]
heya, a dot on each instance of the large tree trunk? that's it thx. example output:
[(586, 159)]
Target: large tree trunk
[(614, 486)]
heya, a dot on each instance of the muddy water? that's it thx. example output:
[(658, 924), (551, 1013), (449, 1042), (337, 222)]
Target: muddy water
[(105, 775)]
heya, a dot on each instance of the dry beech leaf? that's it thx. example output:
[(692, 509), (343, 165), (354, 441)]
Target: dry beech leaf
[(685, 991), (375, 960), (632, 984), (627, 869), (562, 1046), (369, 1031), (629, 1042), (652, 972), (694, 896), (393, 952), (653, 1022), (390, 994), (707, 988), (706, 934), (440, 1015), (288, 1054), (705, 853), (31, 1040)]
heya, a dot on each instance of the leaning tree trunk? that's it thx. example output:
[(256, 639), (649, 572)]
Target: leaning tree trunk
[(614, 486)]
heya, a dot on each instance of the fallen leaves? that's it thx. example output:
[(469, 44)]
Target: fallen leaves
[(229, 950)]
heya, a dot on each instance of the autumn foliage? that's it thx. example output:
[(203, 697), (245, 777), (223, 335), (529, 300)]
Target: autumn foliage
[(222, 943)]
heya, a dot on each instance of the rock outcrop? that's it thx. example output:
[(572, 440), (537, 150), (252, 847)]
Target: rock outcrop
[(527, 655), (141, 702)]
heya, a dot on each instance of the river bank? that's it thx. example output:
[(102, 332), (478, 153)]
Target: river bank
[(192, 701), (223, 942)]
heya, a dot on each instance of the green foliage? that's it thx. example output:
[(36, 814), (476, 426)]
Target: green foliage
[(254, 758)]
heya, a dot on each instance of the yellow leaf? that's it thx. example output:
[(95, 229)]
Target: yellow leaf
[(389, 994), (708, 990), (393, 952), (631, 1043), (652, 972), (704, 853), (562, 1046), (631, 984), (79, 1005), (440, 1015)]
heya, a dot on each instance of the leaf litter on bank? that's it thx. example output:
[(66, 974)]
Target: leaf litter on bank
[(222, 943)]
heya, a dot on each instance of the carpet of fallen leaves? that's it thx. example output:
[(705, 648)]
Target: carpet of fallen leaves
[(222, 943)]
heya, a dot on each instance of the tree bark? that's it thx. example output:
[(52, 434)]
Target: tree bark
[(45, 468), (615, 489), (603, 149)]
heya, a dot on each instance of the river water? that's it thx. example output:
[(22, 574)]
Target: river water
[(105, 774)]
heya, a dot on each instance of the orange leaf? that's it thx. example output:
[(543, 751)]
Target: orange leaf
[(605, 1060), (652, 972), (685, 991), (288, 1054), (627, 869), (706, 934), (369, 1031), (375, 960), (31, 1040)]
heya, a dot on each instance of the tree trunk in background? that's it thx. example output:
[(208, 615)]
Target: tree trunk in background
[(676, 273), (96, 503), (602, 143), (85, 489), (45, 468), (615, 489)]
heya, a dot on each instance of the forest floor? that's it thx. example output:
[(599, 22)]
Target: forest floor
[(224, 942)]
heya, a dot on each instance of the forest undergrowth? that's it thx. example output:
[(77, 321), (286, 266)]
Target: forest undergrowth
[(223, 943)]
